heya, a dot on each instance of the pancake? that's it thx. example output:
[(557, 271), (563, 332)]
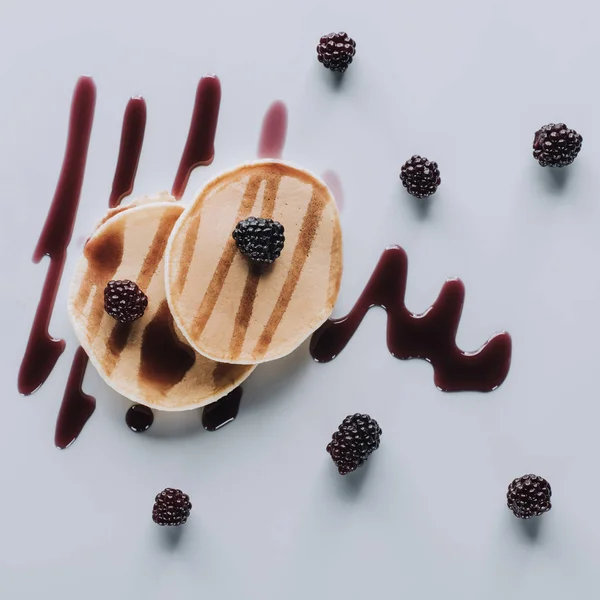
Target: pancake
[(230, 312), (147, 361)]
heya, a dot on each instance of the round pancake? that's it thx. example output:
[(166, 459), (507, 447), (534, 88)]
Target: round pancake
[(231, 312), (147, 361)]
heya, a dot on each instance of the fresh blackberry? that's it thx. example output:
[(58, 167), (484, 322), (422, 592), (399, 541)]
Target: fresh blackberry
[(555, 145), (355, 440), (124, 301), (336, 51), (171, 507), (261, 240), (420, 177), (529, 496)]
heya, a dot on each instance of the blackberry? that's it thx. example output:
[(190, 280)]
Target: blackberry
[(529, 496), (261, 240), (420, 177), (355, 440), (171, 507), (555, 145), (336, 51), (124, 301)]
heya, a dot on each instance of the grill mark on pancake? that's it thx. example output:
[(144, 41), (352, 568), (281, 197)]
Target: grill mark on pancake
[(119, 336), (270, 197), (105, 255), (220, 274), (157, 249), (308, 231), (117, 341), (185, 262), (334, 265), (244, 312), (246, 306)]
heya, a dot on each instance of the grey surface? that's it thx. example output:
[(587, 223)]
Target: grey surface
[(465, 83)]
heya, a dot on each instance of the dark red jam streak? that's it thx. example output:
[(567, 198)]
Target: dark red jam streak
[(335, 185), (42, 350), (77, 407), (139, 418), (132, 139), (431, 335), (274, 131), (223, 411), (200, 145)]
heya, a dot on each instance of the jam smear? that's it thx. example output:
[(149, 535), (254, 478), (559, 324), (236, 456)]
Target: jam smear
[(42, 350), (431, 335), (274, 131), (200, 145), (165, 359), (223, 411), (77, 407), (139, 418), (132, 139)]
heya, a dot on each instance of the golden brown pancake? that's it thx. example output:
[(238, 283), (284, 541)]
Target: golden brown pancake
[(147, 361), (230, 312)]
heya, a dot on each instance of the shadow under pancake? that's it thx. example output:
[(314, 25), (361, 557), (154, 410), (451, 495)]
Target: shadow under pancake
[(268, 383), (179, 424), (166, 425), (271, 380)]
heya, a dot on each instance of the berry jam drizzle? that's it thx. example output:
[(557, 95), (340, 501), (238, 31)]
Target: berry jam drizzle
[(43, 351), (77, 407), (200, 145), (431, 335), (274, 131), (132, 139), (223, 411), (139, 418)]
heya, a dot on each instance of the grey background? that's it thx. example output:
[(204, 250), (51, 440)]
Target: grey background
[(465, 83)]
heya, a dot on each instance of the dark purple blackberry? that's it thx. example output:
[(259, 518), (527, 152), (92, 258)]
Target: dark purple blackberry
[(336, 51), (555, 145), (171, 507), (529, 496), (420, 177), (260, 240), (355, 440), (124, 301)]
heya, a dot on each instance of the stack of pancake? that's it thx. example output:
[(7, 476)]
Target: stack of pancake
[(211, 316)]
